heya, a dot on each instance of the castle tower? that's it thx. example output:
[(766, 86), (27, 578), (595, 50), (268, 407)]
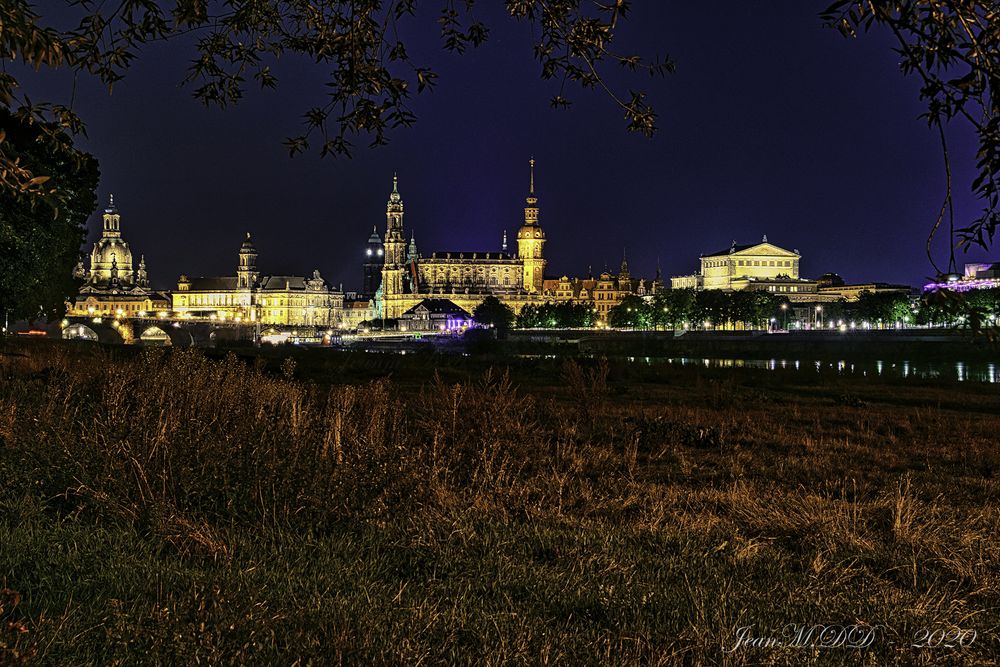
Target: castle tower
[(395, 248), (246, 273), (530, 239), (374, 259)]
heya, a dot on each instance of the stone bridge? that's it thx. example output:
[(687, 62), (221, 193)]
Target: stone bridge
[(156, 332)]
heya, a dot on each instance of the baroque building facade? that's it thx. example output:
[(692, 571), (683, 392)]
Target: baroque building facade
[(249, 297), (111, 288), (463, 277), (756, 266), (604, 292)]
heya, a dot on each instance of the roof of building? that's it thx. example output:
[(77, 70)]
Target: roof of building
[(734, 248), (282, 283), (439, 307), (468, 255), (863, 286), (779, 279), (212, 283), (731, 249)]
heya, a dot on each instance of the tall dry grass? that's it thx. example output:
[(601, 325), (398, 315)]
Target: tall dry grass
[(172, 507)]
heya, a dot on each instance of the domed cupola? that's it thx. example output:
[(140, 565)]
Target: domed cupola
[(111, 249)]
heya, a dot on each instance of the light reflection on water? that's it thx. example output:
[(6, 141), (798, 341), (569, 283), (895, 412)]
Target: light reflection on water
[(961, 370)]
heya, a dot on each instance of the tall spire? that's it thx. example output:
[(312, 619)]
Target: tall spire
[(503, 246), (394, 199), (531, 211)]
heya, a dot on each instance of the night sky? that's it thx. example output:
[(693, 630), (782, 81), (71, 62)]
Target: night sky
[(771, 125)]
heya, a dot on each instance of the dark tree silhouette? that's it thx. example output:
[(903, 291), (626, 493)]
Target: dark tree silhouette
[(40, 238), (495, 313)]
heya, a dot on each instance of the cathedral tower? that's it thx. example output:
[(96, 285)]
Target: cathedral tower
[(530, 239), (395, 246), (246, 273)]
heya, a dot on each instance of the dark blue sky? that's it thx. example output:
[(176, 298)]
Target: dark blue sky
[(771, 125)]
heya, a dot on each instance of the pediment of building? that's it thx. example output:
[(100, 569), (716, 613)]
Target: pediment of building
[(764, 250)]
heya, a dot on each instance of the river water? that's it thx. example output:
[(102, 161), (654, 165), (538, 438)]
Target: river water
[(960, 371)]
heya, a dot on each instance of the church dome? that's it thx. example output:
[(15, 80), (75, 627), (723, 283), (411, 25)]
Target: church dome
[(108, 252)]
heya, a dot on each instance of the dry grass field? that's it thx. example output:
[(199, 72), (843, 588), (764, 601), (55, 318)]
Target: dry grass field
[(165, 507)]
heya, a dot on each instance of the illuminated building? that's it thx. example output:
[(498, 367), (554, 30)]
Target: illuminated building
[(758, 266), (467, 277), (249, 297), (604, 292), (832, 285), (463, 277), (110, 287), (435, 315), (975, 276)]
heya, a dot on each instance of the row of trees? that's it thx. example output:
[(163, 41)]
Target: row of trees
[(674, 309), (687, 308), (979, 309), (564, 315)]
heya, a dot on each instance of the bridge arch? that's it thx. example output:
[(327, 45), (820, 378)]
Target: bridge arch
[(97, 332), (174, 335), (155, 336), (79, 332)]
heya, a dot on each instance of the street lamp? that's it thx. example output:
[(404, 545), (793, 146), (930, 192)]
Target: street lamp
[(784, 316), (819, 316)]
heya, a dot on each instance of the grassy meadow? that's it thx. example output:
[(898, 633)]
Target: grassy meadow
[(167, 507)]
